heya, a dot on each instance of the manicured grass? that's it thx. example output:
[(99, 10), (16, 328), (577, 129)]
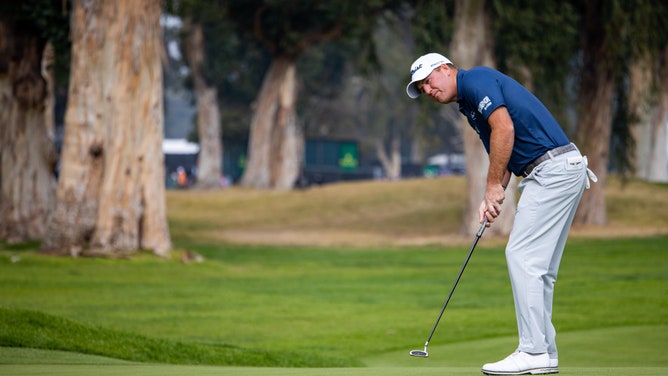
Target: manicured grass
[(161, 370), (358, 298), (316, 304)]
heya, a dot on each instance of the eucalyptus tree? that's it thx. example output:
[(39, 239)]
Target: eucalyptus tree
[(110, 198), (648, 104), (223, 74), (209, 161), (29, 31), (287, 29), (615, 35)]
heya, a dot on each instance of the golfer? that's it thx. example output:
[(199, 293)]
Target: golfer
[(522, 138)]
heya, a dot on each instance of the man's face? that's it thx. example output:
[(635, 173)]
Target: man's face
[(440, 85)]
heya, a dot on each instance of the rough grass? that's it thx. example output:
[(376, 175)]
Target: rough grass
[(353, 214), (373, 213), (30, 329)]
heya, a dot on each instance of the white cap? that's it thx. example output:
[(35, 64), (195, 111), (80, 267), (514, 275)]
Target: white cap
[(421, 68)]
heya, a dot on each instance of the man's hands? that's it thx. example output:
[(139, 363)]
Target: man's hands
[(490, 207)]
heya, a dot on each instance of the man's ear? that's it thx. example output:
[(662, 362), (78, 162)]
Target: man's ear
[(444, 66)]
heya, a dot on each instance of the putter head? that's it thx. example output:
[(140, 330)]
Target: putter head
[(419, 353)]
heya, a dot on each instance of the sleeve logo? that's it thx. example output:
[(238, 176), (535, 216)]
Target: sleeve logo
[(484, 104)]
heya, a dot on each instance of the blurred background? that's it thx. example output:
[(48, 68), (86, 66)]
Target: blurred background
[(280, 94)]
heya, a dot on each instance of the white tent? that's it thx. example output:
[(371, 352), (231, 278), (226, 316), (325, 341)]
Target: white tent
[(179, 146)]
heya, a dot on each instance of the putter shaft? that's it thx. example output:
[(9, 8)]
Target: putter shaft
[(478, 235)]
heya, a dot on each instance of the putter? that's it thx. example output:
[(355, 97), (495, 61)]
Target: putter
[(424, 353)]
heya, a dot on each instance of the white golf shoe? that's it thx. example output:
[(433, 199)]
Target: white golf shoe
[(521, 363), (554, 363)]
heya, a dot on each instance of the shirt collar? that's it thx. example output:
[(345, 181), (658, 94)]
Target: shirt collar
[(460, 76)]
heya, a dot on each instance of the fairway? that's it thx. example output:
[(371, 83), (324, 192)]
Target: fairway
[(322, 303), (255, 309)]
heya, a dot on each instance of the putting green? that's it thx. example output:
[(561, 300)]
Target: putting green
[(166, 370), (605, 347), (618, 351)]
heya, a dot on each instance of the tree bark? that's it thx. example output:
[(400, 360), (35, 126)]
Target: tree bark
[(472, 46), (209, 163), (275, 148), (595, 114), (658, 169), (391, 163), (649, 132), (27, 153), (111, 191)]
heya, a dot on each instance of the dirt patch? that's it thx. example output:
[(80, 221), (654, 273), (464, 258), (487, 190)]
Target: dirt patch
[(329, 238), (337, 238)]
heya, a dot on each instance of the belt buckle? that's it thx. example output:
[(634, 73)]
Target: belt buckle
[(527, 171), (557, 151)]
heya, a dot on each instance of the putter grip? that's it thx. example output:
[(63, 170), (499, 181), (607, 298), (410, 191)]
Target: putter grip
[(482, 228)]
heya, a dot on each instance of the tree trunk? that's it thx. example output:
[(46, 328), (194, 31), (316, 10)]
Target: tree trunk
[(640, 81), (595, 113), (472, 46), (27, 154), (658, 170), (209, 163), (391, 163), (111, 190), (276, 144), (48, 59), (649, 133)]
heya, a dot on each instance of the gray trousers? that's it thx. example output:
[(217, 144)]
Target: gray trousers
[(547, 205)]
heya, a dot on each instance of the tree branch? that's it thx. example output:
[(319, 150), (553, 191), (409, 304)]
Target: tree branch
[(312, 39), (257, 30)]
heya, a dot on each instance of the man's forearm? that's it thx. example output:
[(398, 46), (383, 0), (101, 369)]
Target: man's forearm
[(501, 146), (498, 162)]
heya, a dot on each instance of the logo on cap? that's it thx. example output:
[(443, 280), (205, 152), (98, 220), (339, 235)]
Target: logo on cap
[(415, 69)]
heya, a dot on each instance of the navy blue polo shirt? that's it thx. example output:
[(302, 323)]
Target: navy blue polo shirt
[(482, 90)]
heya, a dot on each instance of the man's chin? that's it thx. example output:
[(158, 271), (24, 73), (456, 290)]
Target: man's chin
[(438, 99)]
